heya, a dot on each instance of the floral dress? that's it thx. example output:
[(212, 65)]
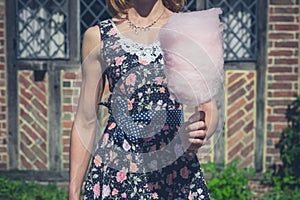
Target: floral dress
[(140, 155)]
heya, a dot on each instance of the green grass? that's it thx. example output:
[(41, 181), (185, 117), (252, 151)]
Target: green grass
[(24, 190)]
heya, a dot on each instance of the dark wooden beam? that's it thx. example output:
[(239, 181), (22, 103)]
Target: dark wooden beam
[(261, 78), (12, 86), (54, 116)]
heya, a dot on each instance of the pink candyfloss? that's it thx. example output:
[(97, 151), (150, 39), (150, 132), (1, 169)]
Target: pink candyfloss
[(193, 55)]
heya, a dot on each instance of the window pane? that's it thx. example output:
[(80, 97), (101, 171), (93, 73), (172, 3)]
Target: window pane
[(92, 11), (240, 34), (42, 29), (190, 5)]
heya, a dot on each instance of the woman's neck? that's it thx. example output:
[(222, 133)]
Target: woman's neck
[(148, 9)]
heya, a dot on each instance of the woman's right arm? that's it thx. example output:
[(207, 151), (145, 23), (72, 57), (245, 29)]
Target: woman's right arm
[(84, 127)]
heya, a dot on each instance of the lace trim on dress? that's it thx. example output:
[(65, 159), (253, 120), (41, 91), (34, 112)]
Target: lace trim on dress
[(146, 53)]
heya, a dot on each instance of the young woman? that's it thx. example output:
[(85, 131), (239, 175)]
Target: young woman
[(124, 50)]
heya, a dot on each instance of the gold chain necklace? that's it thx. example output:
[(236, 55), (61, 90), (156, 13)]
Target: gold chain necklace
[(137, 29)]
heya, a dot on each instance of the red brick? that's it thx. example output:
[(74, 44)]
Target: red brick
[(30, 132), (40, 165), (27, 152), (246, 163), (66, 149), (280, 86), (236, 95), (24, 162), (235, 150), (236, 85), (41, 86), (286, 44), (276, 119), (26, 94), (280, 127), (235, 117), (270, 61), (39, 153), (279, 102), (25, 139), (251, 95), (67, 124), (40, 130), (236, 106), (250, 85), (247, 150), (66, 141), (287, 10), (281, 53), (24, 81), (25, 116), (235, 128), (4, 158), (67, 108), (274, 134), (283, 2), (286, 61), (40, 95), (250, 75), (281, 18), (249, 106), (280, 69), (233, 76), (41, 108), (286, 27), (43, 146), (284, 94), (68, 92), (286, 77), (234, 139), (249, 127), (279, 110), (3, 149), (24, 102), (70, 75)]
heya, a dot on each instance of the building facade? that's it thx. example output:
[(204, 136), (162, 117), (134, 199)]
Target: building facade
[(40, 80)]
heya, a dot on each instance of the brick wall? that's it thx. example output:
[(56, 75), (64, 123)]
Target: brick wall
[(240, 117), (283, 62), (33, 122), (70, 92), (3, 101)]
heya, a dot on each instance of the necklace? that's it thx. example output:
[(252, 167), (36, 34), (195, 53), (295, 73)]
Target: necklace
[(137, 29)]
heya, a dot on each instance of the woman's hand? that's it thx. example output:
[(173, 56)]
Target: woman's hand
[(194, 132)]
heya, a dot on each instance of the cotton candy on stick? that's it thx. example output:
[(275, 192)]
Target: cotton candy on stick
[(193, 55)]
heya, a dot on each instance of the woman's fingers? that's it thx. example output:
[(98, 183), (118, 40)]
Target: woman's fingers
[(199, 125), (199, 134)]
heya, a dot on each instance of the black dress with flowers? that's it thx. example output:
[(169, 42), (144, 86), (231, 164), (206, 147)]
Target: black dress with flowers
[(139, 155)]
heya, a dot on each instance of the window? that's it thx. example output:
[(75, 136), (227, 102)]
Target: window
[(92, 11), (240, 34), (42, 29)]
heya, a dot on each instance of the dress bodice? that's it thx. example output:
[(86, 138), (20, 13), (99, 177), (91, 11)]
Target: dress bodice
[(139, 101)]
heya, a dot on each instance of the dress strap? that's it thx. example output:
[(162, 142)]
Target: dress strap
[(105, 28)]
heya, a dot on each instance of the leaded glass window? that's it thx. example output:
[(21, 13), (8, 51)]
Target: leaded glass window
[(240, 34), (92, 11), (42, 29)]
